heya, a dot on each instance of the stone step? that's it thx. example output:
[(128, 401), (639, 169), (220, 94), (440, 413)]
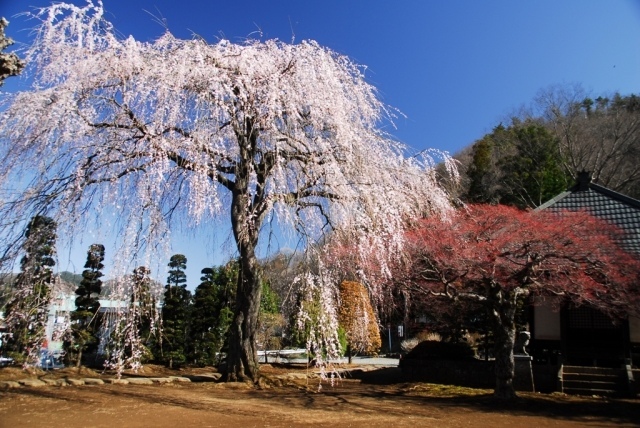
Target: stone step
[(581, 380), (32, 382), (140, 381), (592, 377), (591, 370), (592, 384), (590, 391), (208, 377)]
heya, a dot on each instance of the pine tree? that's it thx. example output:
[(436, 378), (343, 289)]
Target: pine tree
[(85, 323), (28, 309), (175, 313), (212, 312)]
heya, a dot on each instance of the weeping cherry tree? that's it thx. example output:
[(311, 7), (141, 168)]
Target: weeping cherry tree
[(154, 134)]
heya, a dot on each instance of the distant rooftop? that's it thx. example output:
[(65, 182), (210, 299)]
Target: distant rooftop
[(603, 203)]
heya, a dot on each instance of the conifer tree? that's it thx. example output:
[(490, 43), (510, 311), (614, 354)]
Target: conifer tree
[(28, 309), (212, 312), (85, 324), (175, 313)]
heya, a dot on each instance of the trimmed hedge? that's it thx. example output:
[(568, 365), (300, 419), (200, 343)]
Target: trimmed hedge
[(434, 350)]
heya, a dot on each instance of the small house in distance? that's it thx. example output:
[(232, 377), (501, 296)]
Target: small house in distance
[(582, 336)]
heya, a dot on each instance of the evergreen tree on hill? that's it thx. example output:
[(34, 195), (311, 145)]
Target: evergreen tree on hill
[(540, 153), (520, 165)]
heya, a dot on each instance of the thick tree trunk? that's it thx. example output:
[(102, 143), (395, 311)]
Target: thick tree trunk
[(502, 311), (242, 358), (504, 363)]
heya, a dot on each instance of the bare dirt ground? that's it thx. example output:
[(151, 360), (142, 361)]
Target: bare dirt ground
[(287, 398)]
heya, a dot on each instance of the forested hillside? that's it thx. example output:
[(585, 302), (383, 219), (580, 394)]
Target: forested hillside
[(540, 151)]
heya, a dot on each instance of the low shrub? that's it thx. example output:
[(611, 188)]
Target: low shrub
[(435, 350)]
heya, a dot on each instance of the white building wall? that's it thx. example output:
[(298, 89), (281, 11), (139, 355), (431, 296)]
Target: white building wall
[(58, 320)]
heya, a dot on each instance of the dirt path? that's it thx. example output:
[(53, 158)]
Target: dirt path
[(371, 401)]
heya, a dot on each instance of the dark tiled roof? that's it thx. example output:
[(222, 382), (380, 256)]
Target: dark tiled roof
[(606, 204)]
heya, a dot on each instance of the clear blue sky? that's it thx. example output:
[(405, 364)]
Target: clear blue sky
[(454, 68)]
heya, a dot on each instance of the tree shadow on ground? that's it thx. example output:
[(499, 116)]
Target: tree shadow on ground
[(374, 392), (589, 409), (383, 376)]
